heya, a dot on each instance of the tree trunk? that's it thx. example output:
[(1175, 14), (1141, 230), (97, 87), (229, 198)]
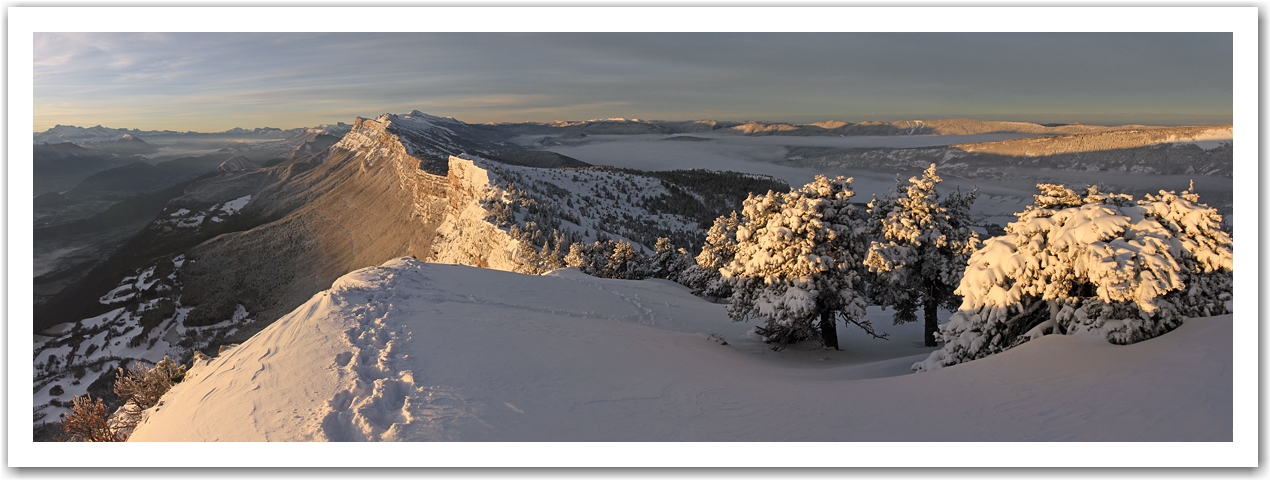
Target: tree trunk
[(828, 330), (932, 322)]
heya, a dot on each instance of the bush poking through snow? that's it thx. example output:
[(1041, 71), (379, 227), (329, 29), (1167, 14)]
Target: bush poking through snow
[(89, 421), (921, 243), (797, 262), (140, 388), (1099, 263)]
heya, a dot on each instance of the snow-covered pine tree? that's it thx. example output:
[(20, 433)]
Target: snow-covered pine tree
[(588, 258), (668, 262), (720, 245), (625, 263), (608, 259), (1099, 263), (719, 249), (797, 263), (920, 246)]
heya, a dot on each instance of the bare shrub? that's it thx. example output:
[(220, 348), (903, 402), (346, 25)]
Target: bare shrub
[(140, 388), (89, 421)]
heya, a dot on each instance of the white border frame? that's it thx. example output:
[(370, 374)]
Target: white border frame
[(1242, 21)]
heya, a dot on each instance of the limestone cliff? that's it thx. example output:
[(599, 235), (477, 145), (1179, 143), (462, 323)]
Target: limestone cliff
[(465, 236)]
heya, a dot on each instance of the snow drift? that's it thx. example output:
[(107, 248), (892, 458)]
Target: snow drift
[(415, 351)]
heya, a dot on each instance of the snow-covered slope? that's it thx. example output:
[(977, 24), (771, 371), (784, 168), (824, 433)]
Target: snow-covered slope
[(415, 351)]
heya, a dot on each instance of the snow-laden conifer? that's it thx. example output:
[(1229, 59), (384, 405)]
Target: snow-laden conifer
[(1100, 263), (608, 259), (668, 262), (720, 247), (919, 249), (797, 263)]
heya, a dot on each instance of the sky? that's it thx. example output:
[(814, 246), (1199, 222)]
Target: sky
[(217, 81)]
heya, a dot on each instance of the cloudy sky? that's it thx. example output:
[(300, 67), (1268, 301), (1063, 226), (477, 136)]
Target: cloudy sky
[(212, 82)]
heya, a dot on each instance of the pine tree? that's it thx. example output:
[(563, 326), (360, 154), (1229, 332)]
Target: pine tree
[(1100, 263), (586, 257), (668, 262), (608, 259), (720, 246), (797, 263), (921, 244), (625, 263), (718, 251)]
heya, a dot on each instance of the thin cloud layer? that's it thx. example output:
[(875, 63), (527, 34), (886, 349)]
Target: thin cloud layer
[(214, 81)]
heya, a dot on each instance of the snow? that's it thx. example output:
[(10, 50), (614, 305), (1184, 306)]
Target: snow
[(233, 206), (466, 236), (186, 218), (141, 284), (1209, 139), (415, 351), (117, 295)]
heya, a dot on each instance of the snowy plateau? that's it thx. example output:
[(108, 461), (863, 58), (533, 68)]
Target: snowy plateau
[(416, 351)]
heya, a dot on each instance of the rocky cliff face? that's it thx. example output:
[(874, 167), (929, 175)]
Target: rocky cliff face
[(465, 236), (361, 203)]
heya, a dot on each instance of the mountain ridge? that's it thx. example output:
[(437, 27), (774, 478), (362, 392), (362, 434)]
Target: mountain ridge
[(240, 248)]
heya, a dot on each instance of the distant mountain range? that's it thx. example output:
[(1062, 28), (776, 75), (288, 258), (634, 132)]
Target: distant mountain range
[(81, 135), (622, 126)]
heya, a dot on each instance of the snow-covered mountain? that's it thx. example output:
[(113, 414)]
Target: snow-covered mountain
[(242, 248), (74, 134), (89, 135), (415, 351)]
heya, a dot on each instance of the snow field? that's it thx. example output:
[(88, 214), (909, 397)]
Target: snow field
[(75, 354), (185, 218), (414, 351)]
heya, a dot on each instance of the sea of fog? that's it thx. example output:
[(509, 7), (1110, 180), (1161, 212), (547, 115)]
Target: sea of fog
[(170, 147), (752, 154), (852, 141), (998, 199)]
